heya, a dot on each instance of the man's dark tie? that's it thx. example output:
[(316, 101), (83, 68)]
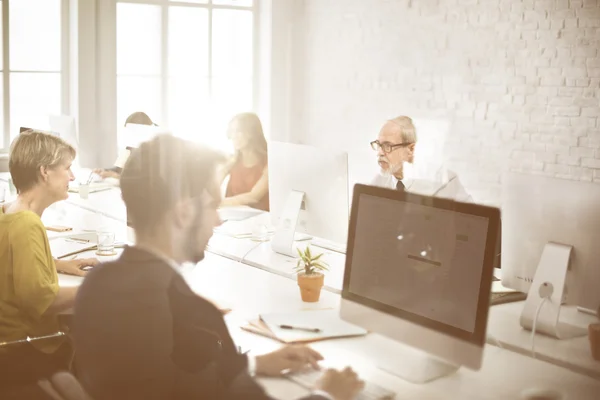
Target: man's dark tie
[(399, 185)]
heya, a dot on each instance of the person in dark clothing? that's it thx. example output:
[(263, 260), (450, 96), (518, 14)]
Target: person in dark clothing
[(138, 118), (139, 331)]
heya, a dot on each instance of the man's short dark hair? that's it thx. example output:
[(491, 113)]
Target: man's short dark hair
[(161, 172)]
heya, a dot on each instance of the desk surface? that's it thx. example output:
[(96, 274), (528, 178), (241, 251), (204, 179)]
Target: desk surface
[(249, 291), (574, 354)]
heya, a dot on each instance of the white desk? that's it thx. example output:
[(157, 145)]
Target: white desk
[(574, 354), (503, 321), (249, 291), (105, 202)]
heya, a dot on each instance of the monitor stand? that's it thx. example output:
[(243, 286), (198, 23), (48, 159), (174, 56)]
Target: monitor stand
[(549, 280), (403, 361), (283, 239)]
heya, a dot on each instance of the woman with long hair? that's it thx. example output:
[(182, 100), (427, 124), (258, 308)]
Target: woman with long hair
[(248, 169)]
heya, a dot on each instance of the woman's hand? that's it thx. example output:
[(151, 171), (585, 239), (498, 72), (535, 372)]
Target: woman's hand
[(73, 267)]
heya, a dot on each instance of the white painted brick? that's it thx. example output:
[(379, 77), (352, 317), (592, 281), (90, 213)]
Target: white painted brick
[(490, 50), (545, 5), (562, 121), (586, 102), (590, 163), (556, 168), (569, 160), (576, 4), (571, 111), (581, 152), (583, 82), (561, 101), (590, 3), (549, 72), (575, 73), (587, 12), (570, 92), (579, 122), (547, 91), (570, 23), (553, 81), (545, 157), (590, 111), (566, 141), (523, 155), (589, 22)]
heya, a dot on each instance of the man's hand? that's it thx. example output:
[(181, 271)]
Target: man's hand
[(292, 358), (341, 385), (73, 267)]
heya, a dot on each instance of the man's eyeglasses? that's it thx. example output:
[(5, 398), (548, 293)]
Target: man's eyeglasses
[(386, 146)]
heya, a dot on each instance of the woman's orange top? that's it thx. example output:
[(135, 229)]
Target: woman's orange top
[(242, 179)]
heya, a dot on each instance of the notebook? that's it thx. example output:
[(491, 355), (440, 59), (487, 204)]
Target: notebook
[(62, 247), (327, 321)]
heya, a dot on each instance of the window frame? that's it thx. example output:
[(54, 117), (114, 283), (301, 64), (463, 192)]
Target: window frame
[(6, 70), (209, 6)]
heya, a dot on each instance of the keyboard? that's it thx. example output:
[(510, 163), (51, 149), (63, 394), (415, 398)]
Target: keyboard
[(372, 391), (94, 187), (506, 297), (329, 245)]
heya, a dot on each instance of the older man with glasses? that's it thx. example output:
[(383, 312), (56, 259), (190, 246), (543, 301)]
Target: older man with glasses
[(395, 145)]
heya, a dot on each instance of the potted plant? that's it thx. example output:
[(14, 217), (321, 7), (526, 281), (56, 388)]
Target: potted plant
[(310, 275)]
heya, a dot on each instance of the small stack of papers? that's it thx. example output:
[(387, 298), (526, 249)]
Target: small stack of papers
[(303, 326)]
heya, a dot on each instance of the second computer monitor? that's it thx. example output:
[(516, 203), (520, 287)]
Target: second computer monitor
[(322, 176), (537, 210)]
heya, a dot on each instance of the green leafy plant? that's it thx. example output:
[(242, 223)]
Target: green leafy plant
[(310, 264)]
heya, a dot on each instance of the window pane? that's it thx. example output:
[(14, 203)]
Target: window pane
[(33, 98), (138, 39), (189, 107), (136, 93), (232, 43), (35, 43), (241, 3), (192, 1), (230, 96), (188, 41), (1, 41)]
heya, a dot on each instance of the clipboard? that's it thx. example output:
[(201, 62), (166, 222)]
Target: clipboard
[(330, 324)]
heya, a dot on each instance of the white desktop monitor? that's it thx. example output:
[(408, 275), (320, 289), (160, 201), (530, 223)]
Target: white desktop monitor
[(321, 175), (64, 126), (419, 272), (537, 210)]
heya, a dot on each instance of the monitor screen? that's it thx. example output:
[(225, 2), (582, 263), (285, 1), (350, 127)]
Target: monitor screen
[(420, 260)]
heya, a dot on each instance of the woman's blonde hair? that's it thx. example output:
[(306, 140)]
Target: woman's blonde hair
[(32, 150)]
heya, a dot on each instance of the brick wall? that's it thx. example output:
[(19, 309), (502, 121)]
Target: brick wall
[(517, 81)]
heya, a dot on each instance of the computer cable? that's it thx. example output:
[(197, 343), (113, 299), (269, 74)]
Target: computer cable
[(545, 291), (241, 260)]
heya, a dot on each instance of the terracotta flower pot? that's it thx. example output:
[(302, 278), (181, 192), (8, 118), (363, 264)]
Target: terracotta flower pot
[(310, 286), (594, 335)]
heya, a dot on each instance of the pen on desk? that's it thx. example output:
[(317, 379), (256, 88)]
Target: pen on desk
[(299, 328), (89, 179), (76, 240)]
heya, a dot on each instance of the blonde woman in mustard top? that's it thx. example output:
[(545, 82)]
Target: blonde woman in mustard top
[(248, 170), (30, 298)]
